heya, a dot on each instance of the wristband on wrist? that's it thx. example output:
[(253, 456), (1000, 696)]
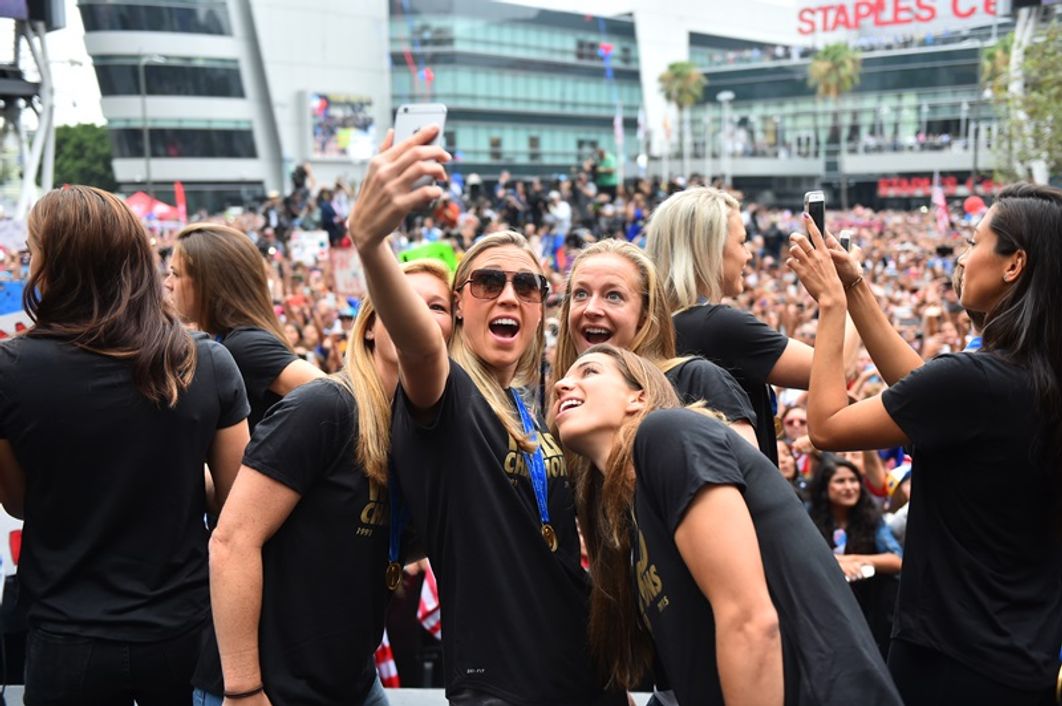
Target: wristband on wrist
[(245, 694), (853, 284)]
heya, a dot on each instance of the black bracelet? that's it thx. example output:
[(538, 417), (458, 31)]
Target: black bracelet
[(245, 694)]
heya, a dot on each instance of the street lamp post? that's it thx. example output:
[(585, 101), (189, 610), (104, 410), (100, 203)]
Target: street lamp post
[(725, 97), (145, 60)]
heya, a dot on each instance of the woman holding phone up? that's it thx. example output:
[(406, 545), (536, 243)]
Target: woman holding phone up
[(979, 615), (696, 239), (486, 487)]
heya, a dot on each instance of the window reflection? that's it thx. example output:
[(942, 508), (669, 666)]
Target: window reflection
[(206, 18), (180, 142)]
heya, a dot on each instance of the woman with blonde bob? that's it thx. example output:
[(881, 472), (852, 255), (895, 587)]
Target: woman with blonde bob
[(299, 557), (696, 239), (486, 486), (218, 282), (724, 557), (108, 411), (614, 296)]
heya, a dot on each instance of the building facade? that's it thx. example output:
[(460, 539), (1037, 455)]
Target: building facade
[(233, 94), (236, 93)]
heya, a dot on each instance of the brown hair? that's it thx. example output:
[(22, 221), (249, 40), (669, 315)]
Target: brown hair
[(619, 642), (359, 377), (229, 279), (98, 286), (527, 368)]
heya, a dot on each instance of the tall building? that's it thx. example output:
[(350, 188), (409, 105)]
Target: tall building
[(533, 89), (233, 94), (236, 93)]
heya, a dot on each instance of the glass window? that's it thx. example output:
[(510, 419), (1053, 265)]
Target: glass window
[(169, 80), (496, 149), (181, 142), (202, 18)]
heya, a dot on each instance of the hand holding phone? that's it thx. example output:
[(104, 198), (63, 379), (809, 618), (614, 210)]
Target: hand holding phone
[(815, 206), (411, 118)]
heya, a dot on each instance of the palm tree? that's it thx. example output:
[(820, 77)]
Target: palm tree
[(833, 72), (683, 84)]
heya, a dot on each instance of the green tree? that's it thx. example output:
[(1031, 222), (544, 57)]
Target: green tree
[(834, 71), (83, 156), (683, 85), (1031, 122)]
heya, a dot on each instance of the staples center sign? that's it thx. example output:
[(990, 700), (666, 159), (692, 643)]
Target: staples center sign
[(878, 14)]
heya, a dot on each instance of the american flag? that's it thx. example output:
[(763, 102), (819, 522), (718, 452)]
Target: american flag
[(428, 612), (385, 664)]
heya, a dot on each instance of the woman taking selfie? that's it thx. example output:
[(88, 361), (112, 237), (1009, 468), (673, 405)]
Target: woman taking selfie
[(709, 555), (979, 616), (696, 238), (614, 296), (486, 487), (108, 410), (217, 281), (300, 554)]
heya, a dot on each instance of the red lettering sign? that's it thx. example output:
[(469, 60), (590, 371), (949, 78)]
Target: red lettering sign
[(883, 13)]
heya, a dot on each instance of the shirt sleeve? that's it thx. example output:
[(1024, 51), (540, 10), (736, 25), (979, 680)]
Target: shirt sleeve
[(885, 541), (457, 396), (738, 340), (232, 397), (936, 405), (700, 379), (260, 358), (298, 439), (676, 453)]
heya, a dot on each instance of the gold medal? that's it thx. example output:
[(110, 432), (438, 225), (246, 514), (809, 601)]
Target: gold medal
[(393, 575), (550, 536), (778, 428)]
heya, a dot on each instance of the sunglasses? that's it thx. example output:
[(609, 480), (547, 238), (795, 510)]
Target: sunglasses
[(793, 421), (489, 284)]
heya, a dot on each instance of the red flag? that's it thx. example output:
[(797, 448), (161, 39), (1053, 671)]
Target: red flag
[(182, 202), (385, 664), (428, 612)]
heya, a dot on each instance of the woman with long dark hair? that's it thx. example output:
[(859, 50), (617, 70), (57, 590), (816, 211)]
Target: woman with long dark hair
[(486, 486), (217, 280), (108, 410), (299, 557), (696, 239), (707, 554), (979, 616), (865, 547)]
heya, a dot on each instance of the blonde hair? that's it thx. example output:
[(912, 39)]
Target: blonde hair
[(528, 368), (360, 378), (655, 338), (685, 239)]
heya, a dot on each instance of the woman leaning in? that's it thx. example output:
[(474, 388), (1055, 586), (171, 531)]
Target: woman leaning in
[(108, 410), (706, 554), (979, 616)]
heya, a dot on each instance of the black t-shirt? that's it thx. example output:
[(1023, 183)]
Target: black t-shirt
[(828, 652), (700, 380), (114, 545), (982, 564), (260, 358), (323, 590), (514, 613), (742, 345)]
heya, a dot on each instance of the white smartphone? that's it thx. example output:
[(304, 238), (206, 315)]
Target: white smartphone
[(815, 206), (410, 118)]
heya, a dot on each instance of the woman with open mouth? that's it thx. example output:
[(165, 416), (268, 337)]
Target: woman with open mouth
[(485, 485), (728, 579), (614, 296)]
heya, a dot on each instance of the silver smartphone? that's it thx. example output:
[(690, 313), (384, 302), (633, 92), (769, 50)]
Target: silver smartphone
[(815, 206), (410, 118), (845, 239)]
